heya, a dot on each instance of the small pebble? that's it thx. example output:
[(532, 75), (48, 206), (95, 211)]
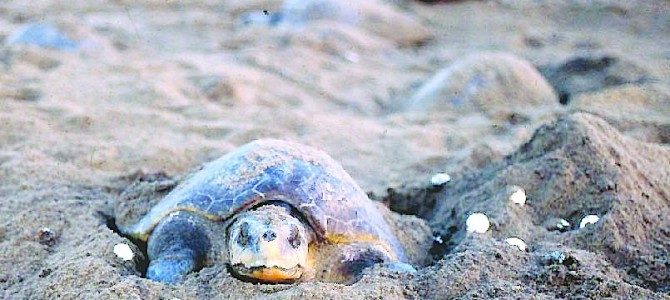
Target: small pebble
[(46, 236), (554, 257), (27, 94), (43, 35), (518, 195), (519, 243), (260, 18), (557, 224), (440, 179), (478, 223), (402, 267), (123, 251), (588, 220)]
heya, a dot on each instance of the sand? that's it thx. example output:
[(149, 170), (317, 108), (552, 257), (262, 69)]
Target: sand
[(154, 89)]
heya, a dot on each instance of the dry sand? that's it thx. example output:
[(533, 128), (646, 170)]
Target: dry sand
[(164, 86)]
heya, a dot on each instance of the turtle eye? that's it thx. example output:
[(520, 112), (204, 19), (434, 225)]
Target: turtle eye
[(243, 237), (294, 237)]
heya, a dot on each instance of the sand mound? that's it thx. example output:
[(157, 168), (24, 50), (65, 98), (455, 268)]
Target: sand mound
[(497, 84), (575, 167)]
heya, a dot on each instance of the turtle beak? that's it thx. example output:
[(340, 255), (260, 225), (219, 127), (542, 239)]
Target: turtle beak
[(277, 274), (270, 274)]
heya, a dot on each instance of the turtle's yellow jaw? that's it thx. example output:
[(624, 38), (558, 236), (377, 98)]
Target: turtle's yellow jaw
[(268, 245)]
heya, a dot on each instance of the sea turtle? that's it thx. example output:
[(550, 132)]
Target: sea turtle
[(282, 212)]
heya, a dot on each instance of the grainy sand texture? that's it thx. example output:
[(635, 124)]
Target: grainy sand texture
[(566, 101)]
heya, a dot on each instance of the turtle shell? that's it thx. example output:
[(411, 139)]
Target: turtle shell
[(270, 170)]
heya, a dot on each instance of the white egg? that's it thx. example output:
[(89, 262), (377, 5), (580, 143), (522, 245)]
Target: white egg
[(518, 196), (478, 223), (587, 220), (440, 179), (519, 243), (123, 251)]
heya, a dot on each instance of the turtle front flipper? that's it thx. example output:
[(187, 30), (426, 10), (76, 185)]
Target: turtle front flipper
[(177, 246)]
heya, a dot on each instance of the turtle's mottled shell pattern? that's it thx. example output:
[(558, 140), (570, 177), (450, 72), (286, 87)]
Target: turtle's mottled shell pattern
[(265, 170)]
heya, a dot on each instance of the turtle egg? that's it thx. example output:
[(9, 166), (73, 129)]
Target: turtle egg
[(518, 195), (587, 220), (519, 243), (478, 223), (440, 179), (123, 251)]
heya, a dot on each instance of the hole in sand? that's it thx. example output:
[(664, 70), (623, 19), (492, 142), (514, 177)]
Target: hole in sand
[(142, 263), (563, 98), (445, 243), (420, 201), (416, 201)]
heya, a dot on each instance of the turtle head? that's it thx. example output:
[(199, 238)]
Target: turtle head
[(268, 244)]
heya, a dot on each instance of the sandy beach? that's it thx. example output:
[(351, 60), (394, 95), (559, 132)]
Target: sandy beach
[(567, 101)]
